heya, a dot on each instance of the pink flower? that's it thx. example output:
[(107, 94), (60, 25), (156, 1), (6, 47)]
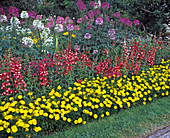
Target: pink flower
[(91, 14), (50, 19), (2, 11), (95, 51), (92, 4), (68, 20), (22, 22), (38, 17), (13, 11), (99, 20), (60, 20), (32, 14), (89, 27), (111, 31), (77, 47), (105, 5), (80, 20), (87, 36), (112, 37), (97, 12), (76, 27), (50, 24), (81, 5), (129, 23), (116, 14), (70, 27), (136, 22)]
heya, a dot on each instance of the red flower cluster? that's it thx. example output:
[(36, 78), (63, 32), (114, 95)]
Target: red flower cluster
[(10, 76)]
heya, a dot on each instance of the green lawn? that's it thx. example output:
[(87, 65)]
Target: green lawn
[(139, 121)]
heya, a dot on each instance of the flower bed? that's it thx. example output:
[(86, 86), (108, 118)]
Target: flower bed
[(82, 102)]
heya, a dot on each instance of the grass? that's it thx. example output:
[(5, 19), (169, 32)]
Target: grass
[(139, 121)]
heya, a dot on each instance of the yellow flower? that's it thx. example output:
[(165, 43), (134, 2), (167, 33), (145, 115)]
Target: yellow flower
[(102, 115), (19, 96), (11, 98), (35, 41), (1, 128), (51, 116), (66, 33), (14, 128), (59, 87), (107, 113), (75, 121), (69, 120), (73, 35), (79, 120), (95, 116), (37, 129), (10, 136), (84, 122), (8, 130)]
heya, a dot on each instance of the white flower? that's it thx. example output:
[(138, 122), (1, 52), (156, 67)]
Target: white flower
[(14, 21), (48, 42), (59, 28), (38, 24), (9, 28), (3, 18), (44, 35), (27, 41), (24, 14), (46, 29)]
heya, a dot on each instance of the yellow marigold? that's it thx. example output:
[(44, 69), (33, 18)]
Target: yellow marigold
[(73, 35), (14, 128), (95, 116), (37, 129), (66, 33), (19, 96)]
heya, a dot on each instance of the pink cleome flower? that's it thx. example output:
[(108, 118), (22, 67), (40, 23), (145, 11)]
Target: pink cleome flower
[(105, 5), (99, 20)]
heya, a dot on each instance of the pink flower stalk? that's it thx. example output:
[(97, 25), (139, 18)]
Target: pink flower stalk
[(97, 12), (13, 11), (38, 17), (70, 27), (68, 20), (87, 36), (32, 14), (80, 20), (107, 18), (99, 20), (81, 5), (116, 14), (136, 22), (91, 14), (105, 5), (92, 4), (60, 20)]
